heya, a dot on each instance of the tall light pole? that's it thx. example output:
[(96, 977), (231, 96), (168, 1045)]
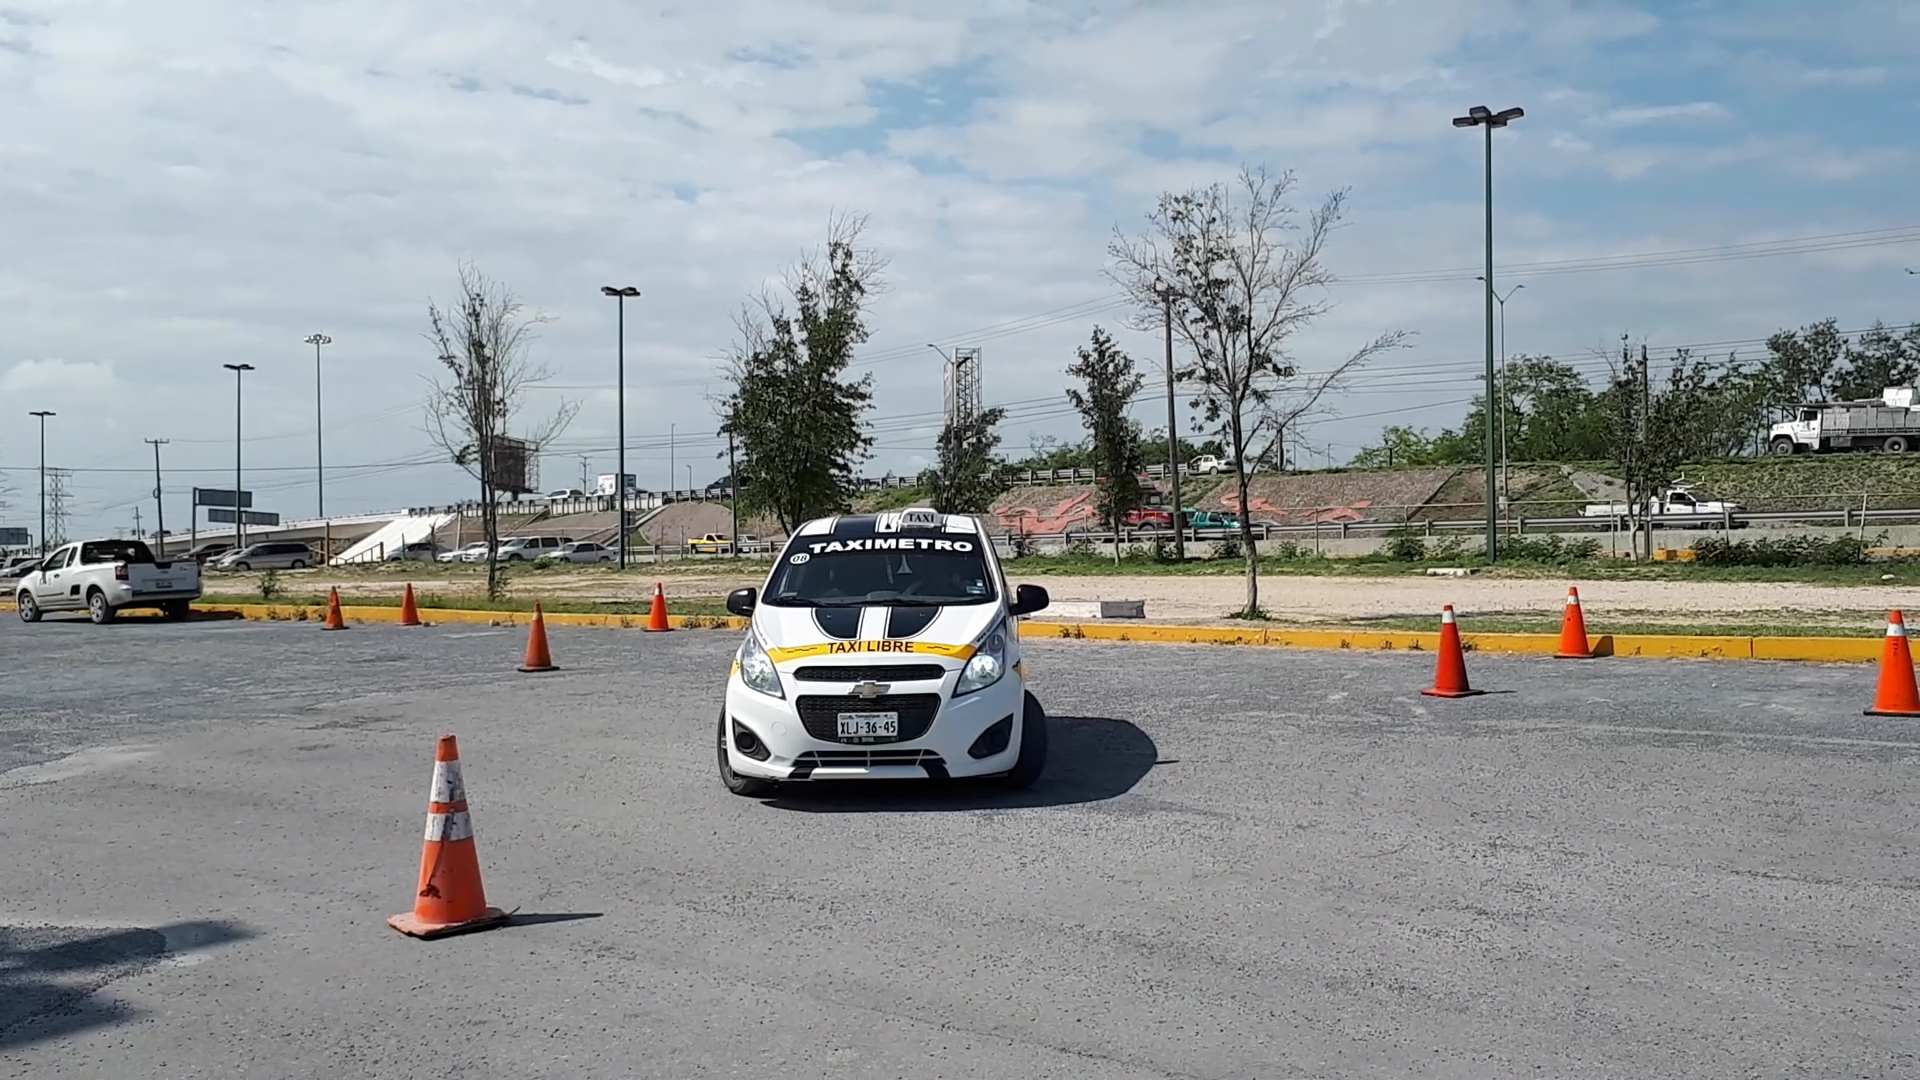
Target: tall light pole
[(319, 451), (43, 414), (1505, 391), (620, 294), (1173, 438), (670, 469), (159, 504), (1481, 116), (239, 515)]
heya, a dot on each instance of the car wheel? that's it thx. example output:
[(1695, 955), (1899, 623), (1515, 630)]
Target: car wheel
[(29, 611), (740, 785), (1033, 748), (242, 566), (298, 564), (98, 609)]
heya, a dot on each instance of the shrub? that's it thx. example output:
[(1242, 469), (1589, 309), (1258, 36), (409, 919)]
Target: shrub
[(1784, 551), (1405, 545), (1228, 548)]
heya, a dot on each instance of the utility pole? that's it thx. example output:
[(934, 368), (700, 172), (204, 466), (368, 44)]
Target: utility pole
[(319, 452), (1481, 116), (733, 492), (620, 294), (1173, 435), (239, 513), (43, 414), (670, 469), (138, 533), (159, 504)]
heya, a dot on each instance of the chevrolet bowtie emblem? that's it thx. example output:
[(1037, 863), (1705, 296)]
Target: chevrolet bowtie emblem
[(870, 689)]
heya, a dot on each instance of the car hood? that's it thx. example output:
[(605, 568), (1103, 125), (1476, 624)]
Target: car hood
[(876, 633)]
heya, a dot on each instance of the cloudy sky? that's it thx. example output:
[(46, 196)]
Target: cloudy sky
[(192, 183)]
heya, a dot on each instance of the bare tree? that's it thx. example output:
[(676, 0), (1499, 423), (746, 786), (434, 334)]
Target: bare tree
[(1240, 276), (482, 341)]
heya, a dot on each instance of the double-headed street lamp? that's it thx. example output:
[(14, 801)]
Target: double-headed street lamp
[(1481, 116), (319, 451), (43, 414), (620, 295), (1506, 393), (239, 513)]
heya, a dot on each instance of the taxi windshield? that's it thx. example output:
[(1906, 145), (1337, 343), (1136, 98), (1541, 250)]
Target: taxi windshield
[(880, 570)]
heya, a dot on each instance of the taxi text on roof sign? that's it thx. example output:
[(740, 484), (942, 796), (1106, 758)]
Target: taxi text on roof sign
[(919, 519)]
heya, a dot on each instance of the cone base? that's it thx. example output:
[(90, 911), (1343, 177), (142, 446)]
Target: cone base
[(1888, 712), (1437, 692), (341, 627), (413, 926), (658, 629), (1574, 656), (538, 667)]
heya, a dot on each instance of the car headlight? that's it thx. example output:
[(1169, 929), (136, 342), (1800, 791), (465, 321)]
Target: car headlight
[(988, 663), (756, 667)]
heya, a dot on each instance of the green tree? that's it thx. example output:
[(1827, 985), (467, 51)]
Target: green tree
[(1153, 448), (966, 477), (1109, 383), (1399, 447), (796, 420), (1240, 275), (1877, 359)]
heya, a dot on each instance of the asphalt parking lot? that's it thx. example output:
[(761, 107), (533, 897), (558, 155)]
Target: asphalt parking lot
[(1245, 863)]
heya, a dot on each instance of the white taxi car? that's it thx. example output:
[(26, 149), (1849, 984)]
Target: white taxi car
[(882, 646)]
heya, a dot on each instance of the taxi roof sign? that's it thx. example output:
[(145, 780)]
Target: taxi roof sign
[(919, 519)]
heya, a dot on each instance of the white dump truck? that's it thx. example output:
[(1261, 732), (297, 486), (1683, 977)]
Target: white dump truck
[(1890, 423)]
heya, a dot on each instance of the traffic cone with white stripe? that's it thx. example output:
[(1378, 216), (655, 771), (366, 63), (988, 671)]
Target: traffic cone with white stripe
[(1897, 696), (1450, 681), (1573, 630), (450, 899)]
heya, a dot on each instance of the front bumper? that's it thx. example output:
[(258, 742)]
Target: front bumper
[(794, 738)]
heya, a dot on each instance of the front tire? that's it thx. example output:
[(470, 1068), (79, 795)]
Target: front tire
[(1033, 747), (29, 611), (98, 609), (1784, 448), (242, 567), (298, 564), (748, 786)]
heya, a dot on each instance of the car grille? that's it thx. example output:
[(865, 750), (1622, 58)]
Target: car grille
[(876, 672), (821, 715), (805, 764)]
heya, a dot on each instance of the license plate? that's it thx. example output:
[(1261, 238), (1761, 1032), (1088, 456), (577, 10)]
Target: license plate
[(869, 725), (163, 584)]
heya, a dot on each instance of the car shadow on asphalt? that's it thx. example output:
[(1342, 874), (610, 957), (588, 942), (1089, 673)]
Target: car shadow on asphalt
[(50, 974), (1089, 759)]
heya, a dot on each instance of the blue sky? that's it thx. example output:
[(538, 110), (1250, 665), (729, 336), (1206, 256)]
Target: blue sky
[(192, 184)]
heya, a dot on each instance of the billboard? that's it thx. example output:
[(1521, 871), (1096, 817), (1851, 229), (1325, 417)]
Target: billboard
[(254, 517), (516, 468), (10, 537), (220, 497)]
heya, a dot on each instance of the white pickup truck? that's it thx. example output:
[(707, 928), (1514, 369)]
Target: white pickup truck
[(1676, 502), (102, 577)]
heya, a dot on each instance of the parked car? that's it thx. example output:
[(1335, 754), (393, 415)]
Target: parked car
[(523, 548), (710, 544), (473, 552), (19, 567), (564, 494), (1210, 464), (208, 549), (580, 551), (1148, 517), (273, 555), (1210, 519), (418, 551), (104, 577)]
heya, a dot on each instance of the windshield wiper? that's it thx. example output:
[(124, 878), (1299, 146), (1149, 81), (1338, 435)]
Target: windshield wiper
[(802, 601)]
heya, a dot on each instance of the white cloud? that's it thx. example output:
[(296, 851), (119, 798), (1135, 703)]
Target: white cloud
[(201, 183)]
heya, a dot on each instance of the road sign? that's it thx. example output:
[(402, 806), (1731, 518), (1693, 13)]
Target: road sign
[(220, 497), (10, 537), (254, 517)]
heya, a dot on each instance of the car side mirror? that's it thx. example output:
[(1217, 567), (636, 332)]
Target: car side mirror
[(1028, 599), (743, 601)]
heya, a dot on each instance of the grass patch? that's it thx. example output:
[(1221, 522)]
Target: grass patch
[(1743, 626), (479, 602)]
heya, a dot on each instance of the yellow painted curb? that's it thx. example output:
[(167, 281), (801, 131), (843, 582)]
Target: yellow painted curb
[(1808, 649)]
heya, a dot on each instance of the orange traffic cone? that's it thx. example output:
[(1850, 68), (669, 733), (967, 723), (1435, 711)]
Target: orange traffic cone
[(1573, 630), (450, 899), (538, 659), (1897, 696), (409, 615), (334, 621), (1451, 679), (657, 618)]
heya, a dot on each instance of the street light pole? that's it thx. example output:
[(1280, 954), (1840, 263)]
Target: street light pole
[(670, 459), (1506, 394), (1481, 116), (620, 294), (239, 513), (43, 414), (1173, 438), (319, 451)]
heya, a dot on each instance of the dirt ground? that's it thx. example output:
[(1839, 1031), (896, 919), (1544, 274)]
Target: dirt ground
[(1207, 599)]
